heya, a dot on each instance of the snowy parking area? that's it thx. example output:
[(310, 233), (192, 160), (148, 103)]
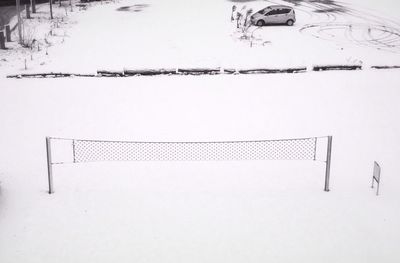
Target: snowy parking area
[(152, 34), (204, 211)]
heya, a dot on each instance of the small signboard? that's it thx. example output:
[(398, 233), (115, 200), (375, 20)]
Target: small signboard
[(376, 177)]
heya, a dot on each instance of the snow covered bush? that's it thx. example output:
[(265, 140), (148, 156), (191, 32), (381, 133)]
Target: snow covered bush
[(245, 30)]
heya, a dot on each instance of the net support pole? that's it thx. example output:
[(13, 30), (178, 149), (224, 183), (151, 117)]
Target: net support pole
[(328, 163), (49, 165)]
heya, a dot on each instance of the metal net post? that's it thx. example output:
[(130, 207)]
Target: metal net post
[(328, 163), (49, 165)]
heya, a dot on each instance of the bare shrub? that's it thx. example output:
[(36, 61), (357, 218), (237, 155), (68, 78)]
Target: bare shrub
[(28, 36), (244, 25)]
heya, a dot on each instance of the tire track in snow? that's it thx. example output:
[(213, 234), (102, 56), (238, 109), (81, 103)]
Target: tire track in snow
[(370, 31)]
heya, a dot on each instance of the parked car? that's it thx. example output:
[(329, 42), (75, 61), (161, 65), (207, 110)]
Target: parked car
[(274, 14)]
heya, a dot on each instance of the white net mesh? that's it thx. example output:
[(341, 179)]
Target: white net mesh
[(291, 149)]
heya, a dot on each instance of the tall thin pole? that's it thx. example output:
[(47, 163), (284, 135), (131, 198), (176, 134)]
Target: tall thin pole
[(33, 4), (73, 151), (377, 189), (2, 40), (28, 11), (328, 163), (8, 33), (315, 148), (51, 9), (49, 165), (18, 6)]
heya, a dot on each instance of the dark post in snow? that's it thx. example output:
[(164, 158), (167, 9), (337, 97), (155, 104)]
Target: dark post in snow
[(328, 163), (8, 33), (18, 6), (28, 11), (49, 165), (51, 9), (33, 4), (2, 40)]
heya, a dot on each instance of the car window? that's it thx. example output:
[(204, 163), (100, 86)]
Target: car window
[(283, 11), (263, 11), (272, 12)]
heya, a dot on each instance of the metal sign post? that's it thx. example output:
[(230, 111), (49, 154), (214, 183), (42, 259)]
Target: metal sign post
[(376, 176)]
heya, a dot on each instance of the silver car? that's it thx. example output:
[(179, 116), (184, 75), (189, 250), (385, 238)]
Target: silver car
[(274, 14)]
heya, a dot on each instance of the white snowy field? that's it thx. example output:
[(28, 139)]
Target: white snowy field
[(202, 211), (243, 211)]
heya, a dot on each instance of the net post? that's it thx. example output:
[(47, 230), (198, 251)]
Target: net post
[(49, 165), (73, 151), (315, 148), (328, 163)]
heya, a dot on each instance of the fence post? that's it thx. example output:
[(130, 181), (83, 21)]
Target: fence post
[(2, 40), (8, 33), (49, 165), (328, 163)]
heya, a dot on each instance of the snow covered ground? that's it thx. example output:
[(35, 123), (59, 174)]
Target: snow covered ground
[(137, 34), (208, 211), (248, 211)]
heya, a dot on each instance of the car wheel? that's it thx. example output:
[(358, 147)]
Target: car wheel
[(260, 23), (290, 22)]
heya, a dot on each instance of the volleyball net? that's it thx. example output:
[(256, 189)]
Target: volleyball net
[(82, 151)]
